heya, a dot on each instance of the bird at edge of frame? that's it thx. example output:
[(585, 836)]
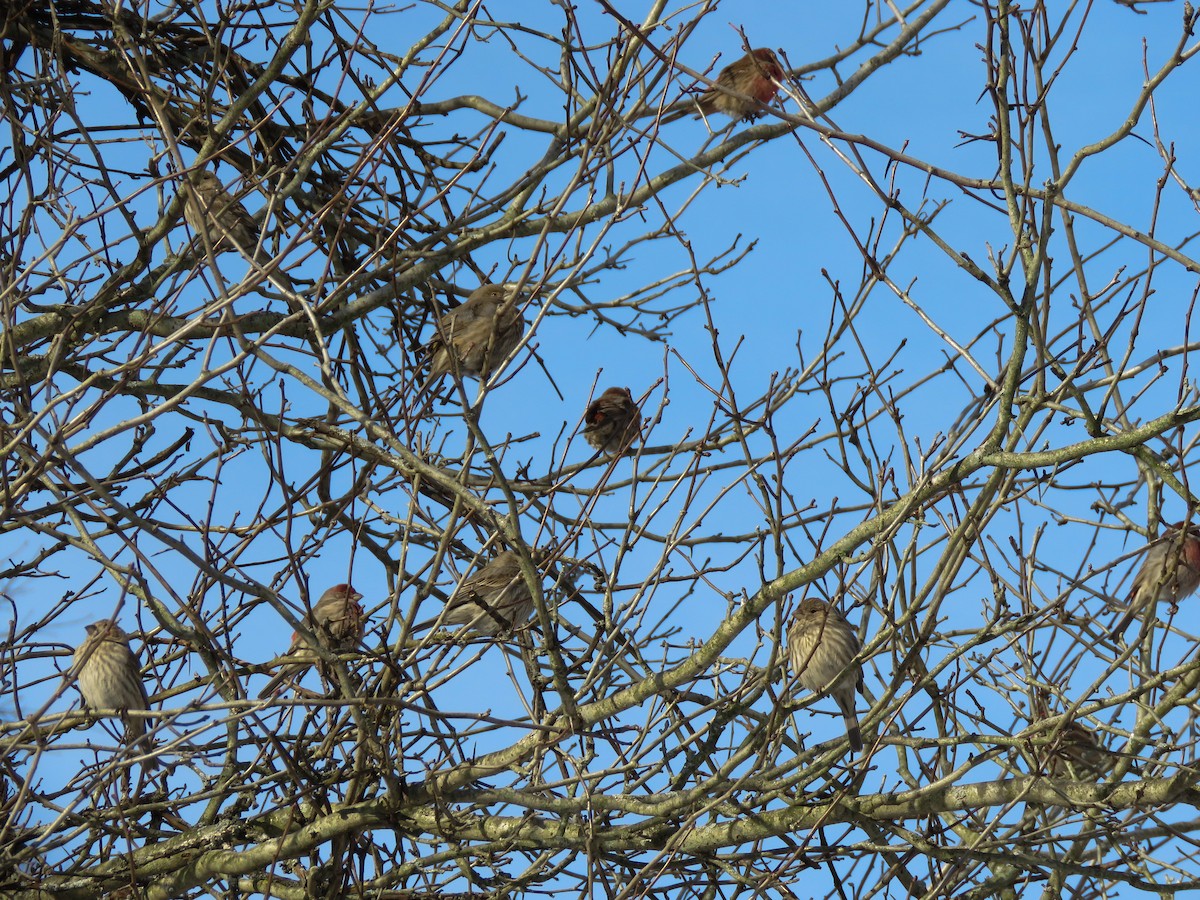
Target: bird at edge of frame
[(1169, 572)]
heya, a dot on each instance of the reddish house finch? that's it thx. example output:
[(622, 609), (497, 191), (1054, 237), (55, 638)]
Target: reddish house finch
[(495, 600), (477, 336), (338, 622), (756, 75), (110, 677), (612, 421), (821, 648), (1169, 572), (209, 209)]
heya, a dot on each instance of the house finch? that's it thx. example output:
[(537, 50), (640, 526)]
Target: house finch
[(110, 677), (756, 75), (212, 210), (821, 648), (1080, 753), (209, 209), (1169, 572), (612, 421), (477, 336), (338, 622), (1075, 751), (495, 600)]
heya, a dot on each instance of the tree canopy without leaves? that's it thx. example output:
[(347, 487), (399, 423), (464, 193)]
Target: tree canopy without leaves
[(913, 338)]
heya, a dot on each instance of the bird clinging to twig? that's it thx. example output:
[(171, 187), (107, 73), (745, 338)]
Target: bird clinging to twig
[(1075, 751), (338, 622), (1169, 572), (612, 421), (210, 209), (821, 648), (109, 676), (474, 338), (754, 80), (495, 600)]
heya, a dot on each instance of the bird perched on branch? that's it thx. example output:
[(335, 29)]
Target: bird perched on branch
[(821, 648), (338, 622), (1169, 572), (1075, 751), (495, 600), (109, 676), (754, 80), (474, 338), (210, 209), (612, 421)]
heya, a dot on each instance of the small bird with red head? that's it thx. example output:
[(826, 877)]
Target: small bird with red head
[(754, 81), (612, 421)]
